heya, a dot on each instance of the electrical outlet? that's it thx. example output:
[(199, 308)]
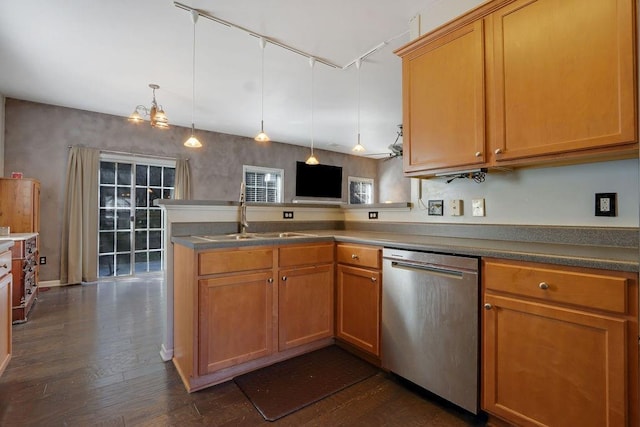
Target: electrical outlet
[(477, 206), (606, 204), (43, 260), (373, 215), (287, 214)]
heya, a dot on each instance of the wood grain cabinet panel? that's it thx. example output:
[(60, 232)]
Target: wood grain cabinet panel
[(236, 320), (568, 361), (564, 77), (305, 305), (443, 102), (358, 307), (359, 296)]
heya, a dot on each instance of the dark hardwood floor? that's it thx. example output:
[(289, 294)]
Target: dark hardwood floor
[(89, 355)]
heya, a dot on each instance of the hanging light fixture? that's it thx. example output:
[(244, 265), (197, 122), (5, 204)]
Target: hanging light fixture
[(156, 114), (262, 137), (193, 142), (358, 148), (312, 160)]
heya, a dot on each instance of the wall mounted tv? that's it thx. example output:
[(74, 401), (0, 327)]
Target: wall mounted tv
[(318, 181)]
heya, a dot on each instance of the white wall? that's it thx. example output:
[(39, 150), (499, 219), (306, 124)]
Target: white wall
[(542, 196)]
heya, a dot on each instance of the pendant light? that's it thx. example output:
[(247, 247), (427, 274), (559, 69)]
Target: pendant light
[(358, 148), (193, 142), (312, 160), (262, 137)]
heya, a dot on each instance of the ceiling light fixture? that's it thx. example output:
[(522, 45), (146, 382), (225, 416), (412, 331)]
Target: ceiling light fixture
[(312, 160), (262, 137), (193, 142), (156, 114), (358, 148)]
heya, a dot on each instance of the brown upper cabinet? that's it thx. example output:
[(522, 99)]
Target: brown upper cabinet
[(520, 83)]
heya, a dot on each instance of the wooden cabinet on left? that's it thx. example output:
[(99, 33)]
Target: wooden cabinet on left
[(228, 314), (5, 309)]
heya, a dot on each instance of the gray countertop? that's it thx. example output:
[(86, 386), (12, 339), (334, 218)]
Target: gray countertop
[(605, 257)]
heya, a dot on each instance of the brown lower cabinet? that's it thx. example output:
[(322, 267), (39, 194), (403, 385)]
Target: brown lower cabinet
[(559, 345), (359, 291), (239, 309)]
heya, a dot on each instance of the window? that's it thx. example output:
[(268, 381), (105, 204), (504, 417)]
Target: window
[(263, 184), (360, 190)]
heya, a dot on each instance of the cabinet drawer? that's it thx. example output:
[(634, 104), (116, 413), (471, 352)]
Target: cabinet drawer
[(362, 256), (5, 263), (292, 255), (236, 260), (597, 289)]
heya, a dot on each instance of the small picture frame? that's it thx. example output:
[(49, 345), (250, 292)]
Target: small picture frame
[(436, 207), (16, 175)]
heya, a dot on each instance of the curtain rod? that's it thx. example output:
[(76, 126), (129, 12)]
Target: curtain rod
[(151, 156)]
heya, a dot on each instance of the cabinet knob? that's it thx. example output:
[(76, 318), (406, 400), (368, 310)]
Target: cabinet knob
[(498, 151), (488, 306), (478, 154), (270, 280), (5, 266), (284, 278), (543, 285), (373, 279), (354, 256)]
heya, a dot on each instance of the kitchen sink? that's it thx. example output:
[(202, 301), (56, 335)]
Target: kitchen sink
[(254, 236), (285, 235)]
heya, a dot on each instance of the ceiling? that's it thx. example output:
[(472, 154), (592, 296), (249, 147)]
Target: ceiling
[(101, 55)]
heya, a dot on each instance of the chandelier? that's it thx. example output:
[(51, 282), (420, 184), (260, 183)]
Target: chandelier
[(155, 113)]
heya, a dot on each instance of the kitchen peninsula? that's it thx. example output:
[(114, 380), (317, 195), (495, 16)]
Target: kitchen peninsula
[(608, 257)]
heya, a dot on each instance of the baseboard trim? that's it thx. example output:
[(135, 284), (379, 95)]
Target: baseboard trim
[(166, 354), (50, 284)]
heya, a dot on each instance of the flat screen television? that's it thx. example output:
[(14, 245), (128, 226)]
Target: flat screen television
[(318, 181)]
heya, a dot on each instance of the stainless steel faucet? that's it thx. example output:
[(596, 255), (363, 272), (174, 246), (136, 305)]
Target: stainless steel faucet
[(243, 210)]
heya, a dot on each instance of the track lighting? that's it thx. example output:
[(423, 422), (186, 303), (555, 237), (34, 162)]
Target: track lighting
[(312, 160), (193, 142), (262, 136), (358, 148), (156, 114)]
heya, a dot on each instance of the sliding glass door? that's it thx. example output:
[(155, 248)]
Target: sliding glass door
[(130, 239)]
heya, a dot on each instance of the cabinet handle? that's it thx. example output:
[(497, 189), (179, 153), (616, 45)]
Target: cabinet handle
[(270, 280), (478, 154), (373, 279), (354, 256), (5, 266), (543, 285), (284, 278), (498, 151), (488, 306)]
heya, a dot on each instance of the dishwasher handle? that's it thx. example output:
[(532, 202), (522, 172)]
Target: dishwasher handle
[(428, 268)]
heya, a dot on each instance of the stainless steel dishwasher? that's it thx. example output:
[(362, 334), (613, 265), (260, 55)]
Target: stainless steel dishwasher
[(430, 322)]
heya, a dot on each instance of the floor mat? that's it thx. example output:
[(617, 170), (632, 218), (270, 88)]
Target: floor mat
[(285, 387)]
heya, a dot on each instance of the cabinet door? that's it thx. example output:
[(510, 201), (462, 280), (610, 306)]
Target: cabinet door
[(551, 366), (305, 305), (443, 102), (5, 321), (564, 77), (358, 307), (235, 320)]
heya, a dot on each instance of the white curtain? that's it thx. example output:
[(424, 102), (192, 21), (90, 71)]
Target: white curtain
[(79, 247), (183, 180)]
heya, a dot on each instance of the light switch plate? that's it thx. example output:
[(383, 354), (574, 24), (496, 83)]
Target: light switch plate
[(477, 206), (455, 206)]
